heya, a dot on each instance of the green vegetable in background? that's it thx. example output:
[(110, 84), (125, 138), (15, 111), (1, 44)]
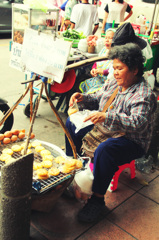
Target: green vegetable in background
[(73, 34)]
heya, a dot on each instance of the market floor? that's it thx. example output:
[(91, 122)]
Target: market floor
[(132, 213)]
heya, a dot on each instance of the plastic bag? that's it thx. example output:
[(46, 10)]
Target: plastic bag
[(81, 187), (37, 4), (144, 165), (78, 117), (147, 51), (82, 183), (150, 78)]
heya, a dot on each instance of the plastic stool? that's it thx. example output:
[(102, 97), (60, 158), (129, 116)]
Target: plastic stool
[(114, 182)]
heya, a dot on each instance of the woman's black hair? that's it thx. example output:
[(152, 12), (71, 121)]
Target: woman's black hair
[(131, 55), (121, 1)]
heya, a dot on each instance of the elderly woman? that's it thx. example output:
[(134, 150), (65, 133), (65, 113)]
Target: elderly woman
[(100, 69), (131, 112)]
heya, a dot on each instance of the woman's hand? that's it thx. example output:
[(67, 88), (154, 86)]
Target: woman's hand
[(96, 117), (99, 71), (76, 97), (95, 72)]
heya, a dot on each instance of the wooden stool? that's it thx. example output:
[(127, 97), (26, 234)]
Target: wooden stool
[(114, 182)]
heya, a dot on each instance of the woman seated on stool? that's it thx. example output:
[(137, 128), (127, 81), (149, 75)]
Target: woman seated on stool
[(131, 113), (100, 69)]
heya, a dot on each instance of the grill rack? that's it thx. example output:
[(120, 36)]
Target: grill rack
[(40, 186), (48, 184)]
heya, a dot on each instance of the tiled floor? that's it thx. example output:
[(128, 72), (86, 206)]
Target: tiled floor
[(132, 213)]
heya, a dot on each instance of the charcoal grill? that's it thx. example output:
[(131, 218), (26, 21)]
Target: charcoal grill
[(44, 202), (42, 186)]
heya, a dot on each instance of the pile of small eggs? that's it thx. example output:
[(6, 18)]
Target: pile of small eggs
[(13, 136)]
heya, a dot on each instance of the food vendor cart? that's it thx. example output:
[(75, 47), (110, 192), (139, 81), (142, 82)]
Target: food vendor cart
[(46, 191), (46, 185), (24, 16)]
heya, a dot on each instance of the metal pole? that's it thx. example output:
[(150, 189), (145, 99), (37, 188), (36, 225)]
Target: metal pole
[(156, 2), (156, 16)]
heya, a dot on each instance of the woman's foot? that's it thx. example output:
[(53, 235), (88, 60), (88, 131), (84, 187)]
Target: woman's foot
[(92, 210)]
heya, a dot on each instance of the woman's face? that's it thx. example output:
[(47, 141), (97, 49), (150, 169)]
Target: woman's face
[(124, 77), (108, 39)]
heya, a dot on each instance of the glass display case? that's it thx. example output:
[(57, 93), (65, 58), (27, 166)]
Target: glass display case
[(24, 17)]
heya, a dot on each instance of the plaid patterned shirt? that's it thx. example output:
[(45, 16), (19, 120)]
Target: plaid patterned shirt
[(131, 112)]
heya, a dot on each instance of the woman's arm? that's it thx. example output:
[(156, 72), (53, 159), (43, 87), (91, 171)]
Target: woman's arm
[(135, 118), (95, 28), (72, 25), (128, 16)]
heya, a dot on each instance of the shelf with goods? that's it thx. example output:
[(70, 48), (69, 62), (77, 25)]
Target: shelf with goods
[(25, 17)]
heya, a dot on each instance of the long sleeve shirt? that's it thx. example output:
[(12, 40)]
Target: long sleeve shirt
[(131, 112)]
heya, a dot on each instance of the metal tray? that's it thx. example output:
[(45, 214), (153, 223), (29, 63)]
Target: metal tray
[(42, 186)]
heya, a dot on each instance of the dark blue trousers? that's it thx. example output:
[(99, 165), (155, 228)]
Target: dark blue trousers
[(107, 157)]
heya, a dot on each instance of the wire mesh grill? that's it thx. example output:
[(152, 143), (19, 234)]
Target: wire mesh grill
[(38, 185)]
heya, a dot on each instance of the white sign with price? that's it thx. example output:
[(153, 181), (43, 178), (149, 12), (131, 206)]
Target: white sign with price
[(44, 56), (16, 56)]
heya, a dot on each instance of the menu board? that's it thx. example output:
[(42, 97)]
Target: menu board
[(43, 55)]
